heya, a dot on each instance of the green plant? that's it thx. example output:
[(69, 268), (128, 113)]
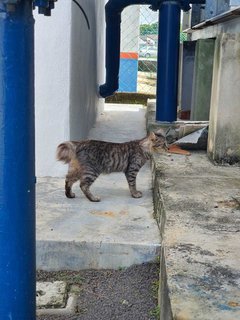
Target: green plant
[(149, 28), (155, 312), (155, 288)]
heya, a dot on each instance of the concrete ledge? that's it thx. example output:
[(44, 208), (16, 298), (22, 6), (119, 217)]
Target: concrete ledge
[(181, 127), (75, 234), (74, 255), (198, 212)]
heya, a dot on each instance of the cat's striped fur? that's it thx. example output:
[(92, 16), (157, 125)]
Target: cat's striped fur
[(87, 159)]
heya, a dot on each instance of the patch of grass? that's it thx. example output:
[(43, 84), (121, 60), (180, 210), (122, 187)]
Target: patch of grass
[(130, 98), (155, 288), (121, 268), (158, 259), (155, 312), (70, 277)]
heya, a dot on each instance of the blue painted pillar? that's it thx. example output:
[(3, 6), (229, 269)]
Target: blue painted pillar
[(17, 178), (168, 55)]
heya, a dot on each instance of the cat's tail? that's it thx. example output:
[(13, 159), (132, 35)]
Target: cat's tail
[(66, 151)]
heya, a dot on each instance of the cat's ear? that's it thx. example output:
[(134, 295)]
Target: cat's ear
[(152, 136), (161, 132)]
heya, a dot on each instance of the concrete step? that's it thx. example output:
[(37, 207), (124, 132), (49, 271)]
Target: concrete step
[(119, 231)]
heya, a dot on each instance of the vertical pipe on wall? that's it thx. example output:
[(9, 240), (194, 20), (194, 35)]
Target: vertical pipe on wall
[(17, 179), (168, 59), (113, 11), (113, 34)]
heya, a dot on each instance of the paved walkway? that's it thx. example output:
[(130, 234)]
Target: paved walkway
[(117, 232)]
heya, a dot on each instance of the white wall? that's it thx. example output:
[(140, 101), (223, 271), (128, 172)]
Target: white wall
[(87, 63), (52, 58), (69, 67)]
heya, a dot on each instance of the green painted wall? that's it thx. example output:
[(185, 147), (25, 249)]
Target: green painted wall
[(202, 80)]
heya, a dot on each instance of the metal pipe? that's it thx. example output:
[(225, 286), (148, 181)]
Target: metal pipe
[(113, 11), (168, 56), (168, 51), (17, 179)]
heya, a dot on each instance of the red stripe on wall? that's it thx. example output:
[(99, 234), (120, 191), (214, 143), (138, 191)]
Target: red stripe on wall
[(129, 55)]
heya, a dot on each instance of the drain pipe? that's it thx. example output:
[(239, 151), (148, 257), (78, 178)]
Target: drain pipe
[(168, 58), (168, 61), (17, 179), (168, 50), (113, 10)]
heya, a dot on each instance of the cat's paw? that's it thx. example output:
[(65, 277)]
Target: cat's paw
[(137, 194), (70, 195), (95, 199)]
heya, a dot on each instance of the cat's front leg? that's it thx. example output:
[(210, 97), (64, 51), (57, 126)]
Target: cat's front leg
[(136, 194), (131, 179)]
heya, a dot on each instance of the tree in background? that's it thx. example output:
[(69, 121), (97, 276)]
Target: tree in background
[(146, 29)]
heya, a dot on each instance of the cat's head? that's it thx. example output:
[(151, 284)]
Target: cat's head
[(154, 143)]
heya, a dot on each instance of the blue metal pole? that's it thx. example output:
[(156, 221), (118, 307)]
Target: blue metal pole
[(17, 178), (168, 55)]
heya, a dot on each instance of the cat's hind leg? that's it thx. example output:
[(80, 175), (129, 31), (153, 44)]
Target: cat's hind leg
[(72, 177), (69, 181), (87, 180), (131, 175)]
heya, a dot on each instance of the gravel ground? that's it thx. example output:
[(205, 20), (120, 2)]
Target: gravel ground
[(128, 294)]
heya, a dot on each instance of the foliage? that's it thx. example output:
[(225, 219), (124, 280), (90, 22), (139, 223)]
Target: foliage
[(155, 312), (148, 29)]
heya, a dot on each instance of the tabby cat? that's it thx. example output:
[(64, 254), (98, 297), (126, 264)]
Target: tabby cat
[(87, 159)]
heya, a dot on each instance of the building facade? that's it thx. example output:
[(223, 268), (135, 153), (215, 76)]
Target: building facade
[(214, 50)]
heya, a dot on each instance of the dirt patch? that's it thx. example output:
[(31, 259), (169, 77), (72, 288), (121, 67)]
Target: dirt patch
[(108, 214), (111, 294)]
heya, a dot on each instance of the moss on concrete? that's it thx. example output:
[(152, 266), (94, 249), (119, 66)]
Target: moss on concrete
[(130, 98)]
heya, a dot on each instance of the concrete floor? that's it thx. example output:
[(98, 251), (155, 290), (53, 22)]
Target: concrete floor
[(201, 237), (119, 231)]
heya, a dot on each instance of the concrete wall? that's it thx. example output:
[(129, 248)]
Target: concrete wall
[(68, 69), (202, 80), (231, 26), (52, 80), (86, 66), (224, 132)]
